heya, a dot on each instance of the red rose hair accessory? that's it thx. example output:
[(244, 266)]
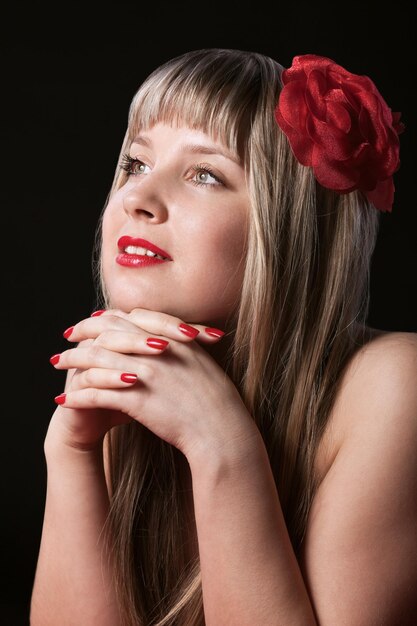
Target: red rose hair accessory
[(339, 124)]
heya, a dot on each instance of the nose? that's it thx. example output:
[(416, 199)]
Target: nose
[(145, 200)]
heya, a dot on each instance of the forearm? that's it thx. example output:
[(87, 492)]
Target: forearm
[(249, 571), (73, 577)]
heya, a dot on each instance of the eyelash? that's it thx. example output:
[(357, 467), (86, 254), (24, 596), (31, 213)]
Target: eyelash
[(128, 162), (202, 167)]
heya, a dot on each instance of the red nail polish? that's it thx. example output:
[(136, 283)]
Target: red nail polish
[(188, 330), (159, 344), (68, 332), (61, 398), (97, 313), (54, 359), (128, 378), (214, 332)]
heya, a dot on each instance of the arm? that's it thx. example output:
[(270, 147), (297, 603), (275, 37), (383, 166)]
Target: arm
[(234, 494), (73, 582), (73, 577), (249, 571), (361, 546)]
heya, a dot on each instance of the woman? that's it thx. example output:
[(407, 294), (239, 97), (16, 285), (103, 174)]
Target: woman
[(235, 446)]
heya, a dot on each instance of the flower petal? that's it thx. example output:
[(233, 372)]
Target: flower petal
[(339, 123)]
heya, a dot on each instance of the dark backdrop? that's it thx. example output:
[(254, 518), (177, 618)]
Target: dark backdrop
[(68, 79)]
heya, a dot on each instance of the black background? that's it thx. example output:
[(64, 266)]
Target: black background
[(68, 77)]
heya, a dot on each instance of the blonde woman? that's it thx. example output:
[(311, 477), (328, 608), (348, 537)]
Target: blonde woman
[(235, 446)]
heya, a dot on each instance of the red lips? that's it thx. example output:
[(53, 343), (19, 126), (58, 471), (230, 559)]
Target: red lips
[(127, 259), (142, 243)]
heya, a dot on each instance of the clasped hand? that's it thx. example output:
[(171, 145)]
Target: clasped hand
[(176, 390)]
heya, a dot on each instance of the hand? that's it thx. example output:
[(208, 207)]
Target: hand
[(181, 393)]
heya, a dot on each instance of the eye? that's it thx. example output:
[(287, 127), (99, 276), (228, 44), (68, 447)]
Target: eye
[(133, 167), (203, 175)]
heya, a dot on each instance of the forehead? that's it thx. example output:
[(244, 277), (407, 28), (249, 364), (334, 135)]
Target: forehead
[(193, 113), (185, 138)]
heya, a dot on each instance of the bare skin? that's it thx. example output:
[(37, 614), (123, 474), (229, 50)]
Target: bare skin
[(360, 546), (372, 431), (360, 537)]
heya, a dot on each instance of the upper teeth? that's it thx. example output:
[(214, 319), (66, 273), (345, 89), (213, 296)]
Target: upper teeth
[(143, 251)]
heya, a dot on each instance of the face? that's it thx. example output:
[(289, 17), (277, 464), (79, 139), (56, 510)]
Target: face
[(187, 198)]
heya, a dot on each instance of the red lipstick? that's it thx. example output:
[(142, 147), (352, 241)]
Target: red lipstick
[(131, 258)]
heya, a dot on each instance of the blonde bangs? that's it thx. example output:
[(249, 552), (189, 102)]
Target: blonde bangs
[(218, 99)]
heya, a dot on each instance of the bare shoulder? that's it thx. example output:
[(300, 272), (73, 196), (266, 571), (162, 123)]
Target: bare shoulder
[(361, 538), (378, 391), (384, 352), (382, 377)]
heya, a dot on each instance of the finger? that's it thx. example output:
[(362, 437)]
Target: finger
[(93, 326), (126, 338), (208, 334), (159, 323), (151, 323), (138, 342), (94, 356), (93, 398), (170, 326), (102, 379)]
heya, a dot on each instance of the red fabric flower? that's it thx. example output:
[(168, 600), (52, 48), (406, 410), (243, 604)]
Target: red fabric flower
[(339, 124)]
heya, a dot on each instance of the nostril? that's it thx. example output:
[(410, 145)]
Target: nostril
[(147, 213)]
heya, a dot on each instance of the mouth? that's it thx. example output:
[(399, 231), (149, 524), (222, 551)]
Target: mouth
[(139, 253), (135, 246)]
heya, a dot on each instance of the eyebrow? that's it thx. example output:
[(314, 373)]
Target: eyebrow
[(194, 148)]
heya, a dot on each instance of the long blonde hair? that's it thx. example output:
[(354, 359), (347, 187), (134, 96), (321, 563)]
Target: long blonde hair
[(302, 314)]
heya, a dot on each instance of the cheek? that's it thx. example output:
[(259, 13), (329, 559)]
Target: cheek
[(110, 219), (220, 257), (225, 241), (110, 226)]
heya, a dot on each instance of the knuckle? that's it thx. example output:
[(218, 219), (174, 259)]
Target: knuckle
[(116, 317), (95, 353), (104, 338), (93, 397), (146, 372), (115, 312), (88, 376), (85, 342), (98, 341), (117, 321), (170, 322)]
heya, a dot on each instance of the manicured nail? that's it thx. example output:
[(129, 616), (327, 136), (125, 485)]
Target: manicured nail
[(54, 359), (159, 344), (188, 330), (128, 378), (61, 398), (214, 332), (68, 332), (97, 313)]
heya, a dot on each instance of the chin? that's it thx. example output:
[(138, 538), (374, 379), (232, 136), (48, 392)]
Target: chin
[(208, 314)]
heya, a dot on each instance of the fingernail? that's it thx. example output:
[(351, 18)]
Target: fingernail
[(128, 378), (214, 332), (68, 332), (97, 313), (61, 398), (54, 359), (188, 330), (159, 344)]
